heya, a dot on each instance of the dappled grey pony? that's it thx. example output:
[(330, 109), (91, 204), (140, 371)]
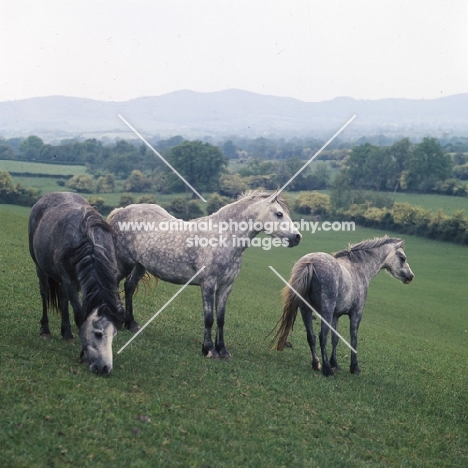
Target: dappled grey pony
[(73, 250), (337, 285), (176, 255)]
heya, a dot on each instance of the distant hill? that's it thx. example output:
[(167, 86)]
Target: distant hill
[(232, 112)]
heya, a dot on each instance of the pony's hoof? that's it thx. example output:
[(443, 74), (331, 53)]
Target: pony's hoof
[(45, 336), (327, 372), (316, 365), (355, 370), (212, 354), (134, 327), (225, 355)]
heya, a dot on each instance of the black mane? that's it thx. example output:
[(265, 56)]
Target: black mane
[(96, 269)]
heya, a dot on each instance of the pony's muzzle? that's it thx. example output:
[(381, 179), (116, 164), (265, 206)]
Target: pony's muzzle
[(100, 369), (294, 239), (96, 367), (409, 279)]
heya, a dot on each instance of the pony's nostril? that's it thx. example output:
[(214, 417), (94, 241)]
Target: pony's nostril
[(298, 237), (105, 370)]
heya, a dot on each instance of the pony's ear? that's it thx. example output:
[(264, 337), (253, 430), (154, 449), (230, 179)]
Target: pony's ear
[(400, 245), (274, 197)]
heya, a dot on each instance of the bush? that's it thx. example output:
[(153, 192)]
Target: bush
[(147, 199), (215, 202), (126, 199), (180, 208), (81, 183), (97, 203), (232, 185), (406, 218), (413, 219), (18, 195), (461, 172), (105, 184), (137, 182), (312, 203)]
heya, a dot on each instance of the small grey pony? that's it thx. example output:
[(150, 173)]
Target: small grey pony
[(173, 255), (337, 285), (73, 250)]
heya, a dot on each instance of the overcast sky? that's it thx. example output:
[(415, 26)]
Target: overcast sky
[(309, 50)]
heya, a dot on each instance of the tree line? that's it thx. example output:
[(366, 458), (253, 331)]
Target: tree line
[(359, 178), (402, 166)]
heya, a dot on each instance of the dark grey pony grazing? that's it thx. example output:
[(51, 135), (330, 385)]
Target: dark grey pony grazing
[(337, 285), (176, 255), (73, 250)]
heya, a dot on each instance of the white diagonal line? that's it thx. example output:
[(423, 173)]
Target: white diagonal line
[(159, 155), (161, 309), (313, 310), (313, 157)]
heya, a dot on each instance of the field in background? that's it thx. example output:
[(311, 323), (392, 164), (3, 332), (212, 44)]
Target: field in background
[(41, 168), (431, 202), (434, 202), (166, 405)]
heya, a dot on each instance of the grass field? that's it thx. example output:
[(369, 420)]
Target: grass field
[(165, 405), (433, 202), (41, 168)]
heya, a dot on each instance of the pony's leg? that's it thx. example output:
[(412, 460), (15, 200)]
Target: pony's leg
[(76, 306), (334, 340), (221, 298), (77, 309), (307, 319), (65, 327), (44, 289), (354, 320), (129, 287), (326, 367), (208, 298)]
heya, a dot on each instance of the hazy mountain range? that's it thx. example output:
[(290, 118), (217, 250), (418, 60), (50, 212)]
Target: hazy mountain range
[(232, 112)]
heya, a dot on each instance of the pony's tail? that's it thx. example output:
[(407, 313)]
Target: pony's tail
[(53, 296), (299, 282)]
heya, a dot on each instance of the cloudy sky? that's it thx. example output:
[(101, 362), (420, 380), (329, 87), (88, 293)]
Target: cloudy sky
[(310, 50)]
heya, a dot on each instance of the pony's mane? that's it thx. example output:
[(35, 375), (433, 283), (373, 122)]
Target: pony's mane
[(252, 195), (360, 250), (96, 269)]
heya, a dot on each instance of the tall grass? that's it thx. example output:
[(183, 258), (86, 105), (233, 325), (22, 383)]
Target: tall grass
[(166, 405)]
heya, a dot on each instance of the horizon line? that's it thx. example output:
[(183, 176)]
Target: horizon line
[(227, 90)]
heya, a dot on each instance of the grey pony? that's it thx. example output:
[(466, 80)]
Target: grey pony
[(337, 285), (73, 249), (175, 256)]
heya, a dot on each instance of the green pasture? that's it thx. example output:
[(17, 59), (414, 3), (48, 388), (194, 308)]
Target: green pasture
[(165, 405), (40, 168), (434, 202)]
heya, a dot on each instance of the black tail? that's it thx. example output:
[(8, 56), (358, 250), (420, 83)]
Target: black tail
[(53, 299)]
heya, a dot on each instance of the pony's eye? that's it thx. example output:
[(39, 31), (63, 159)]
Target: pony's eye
[(279, 214), (98, 334)]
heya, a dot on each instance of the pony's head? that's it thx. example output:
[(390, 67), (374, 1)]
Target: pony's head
[(273, 219), (96, 334), (396, 263)]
